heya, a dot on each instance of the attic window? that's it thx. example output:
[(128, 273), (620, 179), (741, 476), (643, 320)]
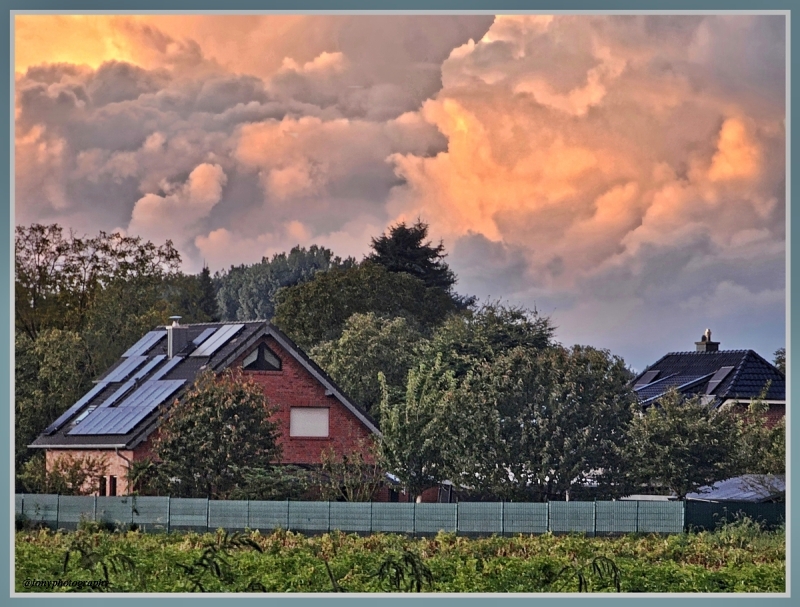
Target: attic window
[(718, 378), (309, 422), (261, 359), (646, 379)]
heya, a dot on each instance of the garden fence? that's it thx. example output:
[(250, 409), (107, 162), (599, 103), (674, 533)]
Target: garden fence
[(153, 514)]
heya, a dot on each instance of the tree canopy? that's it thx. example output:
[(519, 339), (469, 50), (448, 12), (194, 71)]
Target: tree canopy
[(57, 276), (402, 250), (217, 432), (529, 424), (247, 292), (474, 336), (316, 311), (682, 444), (780, 359), (369, 345)]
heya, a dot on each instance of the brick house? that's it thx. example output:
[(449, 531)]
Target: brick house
[(719, 377), (118, 418)]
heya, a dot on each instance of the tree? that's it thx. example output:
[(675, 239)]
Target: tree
[(780, 359), (762, 449), (207, 302), (352, 476), (218, 430), (57, 277), (368, 345), (538, 424), (475, 336), (248, 292), (51, 373), (411, 444), (403, 250), (681, 444), (121, 313), (316, 311)]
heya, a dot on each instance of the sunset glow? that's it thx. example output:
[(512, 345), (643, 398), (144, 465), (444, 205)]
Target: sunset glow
[(623, 174)]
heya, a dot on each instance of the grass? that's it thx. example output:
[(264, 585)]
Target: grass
[(739, 557)]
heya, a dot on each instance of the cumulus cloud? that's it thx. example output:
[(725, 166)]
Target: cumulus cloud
[(175, 214), (613, 171)]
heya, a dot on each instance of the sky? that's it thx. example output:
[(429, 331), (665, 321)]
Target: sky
[(623, 175)]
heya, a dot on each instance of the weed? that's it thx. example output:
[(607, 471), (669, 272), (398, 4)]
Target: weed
[(404, 571)]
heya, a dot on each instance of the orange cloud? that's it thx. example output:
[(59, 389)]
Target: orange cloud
[(738, 155)]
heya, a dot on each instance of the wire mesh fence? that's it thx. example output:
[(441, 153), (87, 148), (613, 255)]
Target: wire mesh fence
[(154, 514)]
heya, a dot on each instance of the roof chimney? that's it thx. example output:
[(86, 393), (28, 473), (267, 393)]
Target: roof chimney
[(705, 344), (177, 337)]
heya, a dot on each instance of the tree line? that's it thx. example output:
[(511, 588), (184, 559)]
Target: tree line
[(478, 394)]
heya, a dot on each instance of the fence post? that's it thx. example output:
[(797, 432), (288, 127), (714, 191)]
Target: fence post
[(208, 514), (329, 516), (94, 510), (370, 516), (58, 509), (548, 517), (415, 519), (637, 516), (456, 530), (248, 514), (502, 518), (169, 513), (595, 517)]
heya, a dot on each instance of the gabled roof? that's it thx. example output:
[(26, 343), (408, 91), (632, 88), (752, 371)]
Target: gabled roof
[(121, 410), (722, 375)]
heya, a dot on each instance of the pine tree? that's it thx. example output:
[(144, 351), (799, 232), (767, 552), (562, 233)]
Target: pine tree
[(403, 250), (208, 295)]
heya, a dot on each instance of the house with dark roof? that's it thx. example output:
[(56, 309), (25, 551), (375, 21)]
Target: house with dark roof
[(119, 417), (718, 376)]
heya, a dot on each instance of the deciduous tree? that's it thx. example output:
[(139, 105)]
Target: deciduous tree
[(780, 359), (369, 345), (412, 442), (58, 276), (219, 429), (248, 292), (682, 444), (317, 311)]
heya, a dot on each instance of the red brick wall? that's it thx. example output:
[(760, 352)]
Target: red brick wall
[(294, 386), (775, 413)]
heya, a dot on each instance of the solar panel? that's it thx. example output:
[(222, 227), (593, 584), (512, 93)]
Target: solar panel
[(148, 367), (64, 417), (118, 393), (126, 368), (719, 376), (145, 343), (124, 417), (100, 422), (204, 335), (173, 362), (219, 339)]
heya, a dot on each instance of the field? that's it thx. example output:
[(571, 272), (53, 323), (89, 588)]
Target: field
[(737, 558)]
